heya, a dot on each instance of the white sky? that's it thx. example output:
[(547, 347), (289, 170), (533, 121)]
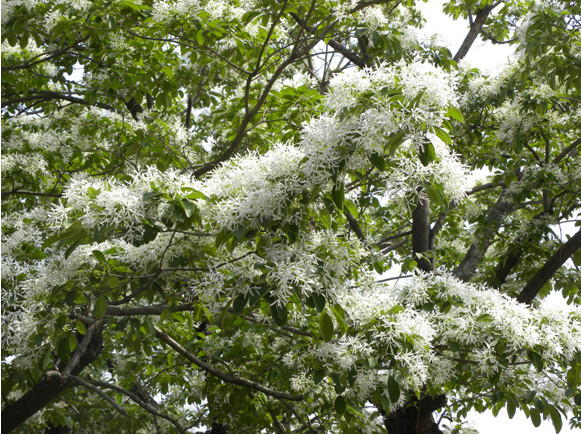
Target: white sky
[(488, 58)]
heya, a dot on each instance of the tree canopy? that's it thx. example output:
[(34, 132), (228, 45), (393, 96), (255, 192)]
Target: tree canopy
[(281, 216)]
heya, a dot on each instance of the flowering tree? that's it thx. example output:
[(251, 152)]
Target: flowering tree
[(249, 216)]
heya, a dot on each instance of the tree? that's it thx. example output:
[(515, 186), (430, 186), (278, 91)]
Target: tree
[(204, 203)]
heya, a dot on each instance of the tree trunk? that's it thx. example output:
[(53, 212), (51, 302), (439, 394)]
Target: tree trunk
[(416, 417)]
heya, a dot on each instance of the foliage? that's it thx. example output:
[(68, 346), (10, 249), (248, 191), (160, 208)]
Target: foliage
[(204, 204)]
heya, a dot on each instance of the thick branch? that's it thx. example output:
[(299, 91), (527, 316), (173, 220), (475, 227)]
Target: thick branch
[(229, 378), (534, 285), (354, 225), (83, 346), (505, 267), (421, 234), (40, 59), (569, 149), (503, 206), (475, 29)]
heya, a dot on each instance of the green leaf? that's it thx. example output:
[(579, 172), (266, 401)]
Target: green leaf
[(393, 389), (100, 307), (511, 409), (537, 360), (200, 38), (351, 207), (165, 314), (72, 342), (577, 258), (530, 395), (193, 194), (443, 135), (385, 403), (340, 404), (455, 113), (433, 193), (63, 349), (223, 236), (535, 417), (326, 327), (318, 376), (394, 142), (556, 418), (378, 161), (325, 217), (81, 328), (338, 195), (577, 399), (319, 301), (427, 153), (99, 256), (279, 314), (339, 387), (149, 194), (189, 207), (239, 303)]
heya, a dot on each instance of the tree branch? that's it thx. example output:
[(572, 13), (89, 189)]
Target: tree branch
[(146, 310), (47, 95), (341, 49), (567, 151), (83, 346), (263, 96), (47, 389), (475, 29), (93, 388), (421, 235), (29, 193), (534, 285), (229, 378), (354, 225), (151, 409), (503, 206)]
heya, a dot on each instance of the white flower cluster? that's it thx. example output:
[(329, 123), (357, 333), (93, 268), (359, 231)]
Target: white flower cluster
[(395, 326), (94, 202), (446, 171), (166, 10), (254, 186)]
